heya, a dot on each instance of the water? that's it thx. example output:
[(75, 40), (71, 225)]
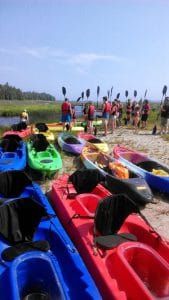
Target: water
[(8, 121)]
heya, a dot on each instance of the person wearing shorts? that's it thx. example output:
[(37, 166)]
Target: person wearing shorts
[(106, 108), (90, 116), (66, 113)]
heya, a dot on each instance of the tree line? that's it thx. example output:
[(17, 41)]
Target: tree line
[(8, 92)]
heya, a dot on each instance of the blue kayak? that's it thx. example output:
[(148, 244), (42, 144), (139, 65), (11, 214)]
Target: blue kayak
[(38, 259), (12, 153), (153, 171)]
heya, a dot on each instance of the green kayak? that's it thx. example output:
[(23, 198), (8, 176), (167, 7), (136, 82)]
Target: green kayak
[(43, 156)]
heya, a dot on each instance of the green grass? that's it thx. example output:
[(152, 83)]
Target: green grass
[(14, 108)]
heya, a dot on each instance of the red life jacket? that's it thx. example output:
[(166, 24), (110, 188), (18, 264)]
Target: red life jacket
[(91, 110), (65, 108), (107, 107)]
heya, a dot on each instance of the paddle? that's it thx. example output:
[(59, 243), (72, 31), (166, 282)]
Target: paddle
[(108, 94), (82, 96), (88, 93), (126, 94), (78, 99), (111, 91), (118, 95), (135, 93), (98, 92), (64, 91)]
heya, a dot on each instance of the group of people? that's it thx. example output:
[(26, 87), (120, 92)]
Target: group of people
[(112, 113)]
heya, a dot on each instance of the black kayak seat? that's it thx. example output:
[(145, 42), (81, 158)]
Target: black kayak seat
[(20, 218), (110, 214), (149, 165)]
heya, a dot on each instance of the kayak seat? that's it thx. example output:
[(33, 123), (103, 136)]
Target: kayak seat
[(12, 252), (71, 141), (20, 218), (9, 186), (95, 141), (39, 142), (42, 127), (110, 214), (85, 180), (9, 145), (149, 165)]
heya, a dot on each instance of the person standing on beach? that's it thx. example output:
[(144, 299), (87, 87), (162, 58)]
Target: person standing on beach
[(106, 108), (90, 116), (136, 118), (128, 112), (164, 113), (145, 114), (24, 117), (66, 111), (113, 115)]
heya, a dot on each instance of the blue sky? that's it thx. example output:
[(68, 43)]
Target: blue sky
[(81, 44)]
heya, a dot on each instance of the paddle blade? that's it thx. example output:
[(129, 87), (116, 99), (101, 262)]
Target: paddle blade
[(135, 93), (82, 95), (98, 91), (118, 95), (126, 93), (87, 93), (164, 90), (78, 99), (108, 94), (145, 93), (64, 90), (111, 91)]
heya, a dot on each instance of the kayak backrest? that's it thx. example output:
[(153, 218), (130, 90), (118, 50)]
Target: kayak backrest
[(20, 218), (72, 140), (42, 127), (19, 126), (85, 180), (111, 213), (9, 145), (39, 142), (16, 137), (12, 183)]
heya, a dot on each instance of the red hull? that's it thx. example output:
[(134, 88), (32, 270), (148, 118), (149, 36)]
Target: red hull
[(126, 272), (23, 134)]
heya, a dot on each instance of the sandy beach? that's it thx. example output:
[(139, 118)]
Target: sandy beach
[(157, 213)]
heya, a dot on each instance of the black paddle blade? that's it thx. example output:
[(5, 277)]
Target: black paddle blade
[(118, 95), (145, 93), (98, 91), (82, 95), (111, 91), (164, 90), (64, 90), (126, 93), (135, 93), (87, 93), (78, 99), (108, 94)]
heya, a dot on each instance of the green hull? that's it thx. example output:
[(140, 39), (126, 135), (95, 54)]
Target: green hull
[(48, 162)]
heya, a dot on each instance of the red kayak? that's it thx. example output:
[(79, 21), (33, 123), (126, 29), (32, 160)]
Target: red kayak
[(134, 268), (23, 133)]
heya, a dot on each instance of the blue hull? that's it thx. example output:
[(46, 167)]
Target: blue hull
[(11, 159), (58, 273), (160, 183)]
